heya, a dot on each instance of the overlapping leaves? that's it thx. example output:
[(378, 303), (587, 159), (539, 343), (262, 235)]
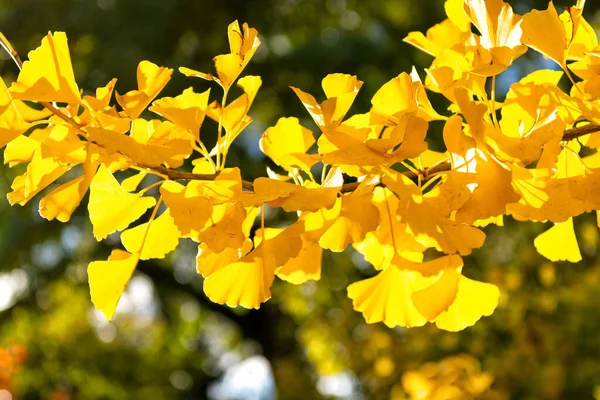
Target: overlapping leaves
[(411, 212)]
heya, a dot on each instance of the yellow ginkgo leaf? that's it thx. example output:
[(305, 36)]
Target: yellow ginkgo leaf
[(242, 283), (357, 217), (544, 32), (189, 209), (186, 110), (473, 300), (207, 261), (224, 228), (41, 172), (243, 43), (101, 102), (156, 242), (248, 282), (151, 80), (111, 207), (292, 197), (48, 74), (151, 143), (305, 266), (455, 10), (435, 299), (500, 33), (12, 124), (131, 184), (108, 280), (394, 99), (387, 297), (341, 90), (31, 114), (62, 201), (286, 144), (559, 243)]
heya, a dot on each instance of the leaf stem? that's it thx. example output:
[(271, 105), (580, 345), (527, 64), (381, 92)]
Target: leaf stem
[(155, 184), (493, 95), (139, 253), (220, 130), (389, 213)]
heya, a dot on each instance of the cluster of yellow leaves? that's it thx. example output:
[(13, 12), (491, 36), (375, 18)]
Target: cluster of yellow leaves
[(458, 377), (520, 164)]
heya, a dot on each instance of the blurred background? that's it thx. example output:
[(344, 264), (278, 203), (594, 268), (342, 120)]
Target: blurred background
[(168, 341)]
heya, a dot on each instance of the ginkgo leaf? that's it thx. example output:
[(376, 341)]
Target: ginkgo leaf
[(559, 243), (581, 36), (425, 222), (305, 266), (207, 261), (151, 80), (189, 209), (341, 90), (62, 201), (242, 283), (131, 184), (387, 297), (101, 102), (292, 197), (286, 144), (48, 74), (435, 299), (445, 35), (224, 228), (247, 282), (30, 114), (108, 280), (111, 207), (455, 10), (12, 124), (41, 172), (151, 143), (393, 99), (186, 110), (473, 300), (356, 218), (155, 242), (544, 32), (243, 43), (500, 32)]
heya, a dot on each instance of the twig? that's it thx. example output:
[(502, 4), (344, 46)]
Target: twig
[(568, 134)]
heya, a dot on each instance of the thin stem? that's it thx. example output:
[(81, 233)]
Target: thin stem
[(493, 95), (430, 182), (389, 213), (410, 168), (296, 172), (220, 129), (566, 69), (148, 227), (11, 51), (262, 223), (155, 184), (202, 150), (323, 174)]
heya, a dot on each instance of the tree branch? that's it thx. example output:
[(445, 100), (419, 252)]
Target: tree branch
[(568, 134)]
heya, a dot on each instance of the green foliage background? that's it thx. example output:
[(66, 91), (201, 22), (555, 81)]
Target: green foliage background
[(170, 342)]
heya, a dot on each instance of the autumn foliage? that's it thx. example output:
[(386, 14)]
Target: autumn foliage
[(377, 187)]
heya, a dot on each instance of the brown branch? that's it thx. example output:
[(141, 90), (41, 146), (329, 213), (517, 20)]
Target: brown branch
[(574, 133), (568, 134)]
